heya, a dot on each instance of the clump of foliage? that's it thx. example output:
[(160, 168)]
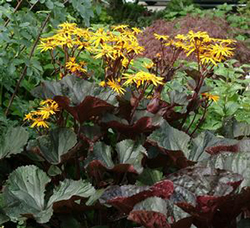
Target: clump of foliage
[(215, 27), (116, 150), (22, 66)]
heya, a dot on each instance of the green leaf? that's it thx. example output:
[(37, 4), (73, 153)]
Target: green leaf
[(49, 4), (170, 138), (24, 194), (152, 204), (94, 197), (131, 153), (13, 141), (56, 144), (238, 162), (75, 89), (54, 171), (102, 153), (203, 141), (69, 188), (150, 177)]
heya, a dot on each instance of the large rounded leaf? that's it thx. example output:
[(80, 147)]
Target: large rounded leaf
[(152, 212), (81, 98), (236, 162), (125, 197), (24, 194), (73, 88), (131, 153), (170, 138), (56, 144), (13, 141), (130, 156), (201, 190), (69, 188)]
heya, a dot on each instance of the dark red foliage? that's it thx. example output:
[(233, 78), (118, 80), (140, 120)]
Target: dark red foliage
[(125, 197), (183, 223), (143, 125), (149, 219), (89, 107), (216, 27)]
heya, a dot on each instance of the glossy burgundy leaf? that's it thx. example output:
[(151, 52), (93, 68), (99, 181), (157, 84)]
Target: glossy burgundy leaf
[(125, 197), (151, 212), (161, 157), (89, 107), (183, 223), (129, 158), (200, 191), (240, 146), (149, 219), (144, 124)]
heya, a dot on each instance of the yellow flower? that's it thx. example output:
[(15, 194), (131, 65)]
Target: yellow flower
[(211, 97), (46, 111), (136, 30), (120, 27), (68, 26), (72, 66), (148, 65), (193, 36), (39, 122), (161, 37), (221, 51), (141, 77), (102, 83), (47, 101), (28, 116), (106, 50), (180, 37), (45, 46), (114, 85)]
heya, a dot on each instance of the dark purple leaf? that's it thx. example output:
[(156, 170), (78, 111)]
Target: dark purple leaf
[(200, 191), (144, 122), (130, 155), (125, 197), (150, 213), (89, 107)]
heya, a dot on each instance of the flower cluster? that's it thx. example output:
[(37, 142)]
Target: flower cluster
[(40, 117), (68, 36), (117, 47), (209, 51), (74, 67), (211, 97)]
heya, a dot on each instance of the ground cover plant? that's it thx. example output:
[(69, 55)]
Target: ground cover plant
[(110, 143)]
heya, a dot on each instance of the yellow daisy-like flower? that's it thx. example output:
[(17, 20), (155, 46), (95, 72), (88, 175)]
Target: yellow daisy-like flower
[(39, 122), (161, 37), (180, 37), (211, 97), (193, 36), (114, 85), (28, 116), (136, 30), (72, 66), (148, 65), (221, 51), (142, 77), (47, 101), (46, 111), (102, 83), (208, 58), (120, 27)]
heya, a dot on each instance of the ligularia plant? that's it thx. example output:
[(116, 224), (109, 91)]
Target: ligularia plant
[(111, 148)]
